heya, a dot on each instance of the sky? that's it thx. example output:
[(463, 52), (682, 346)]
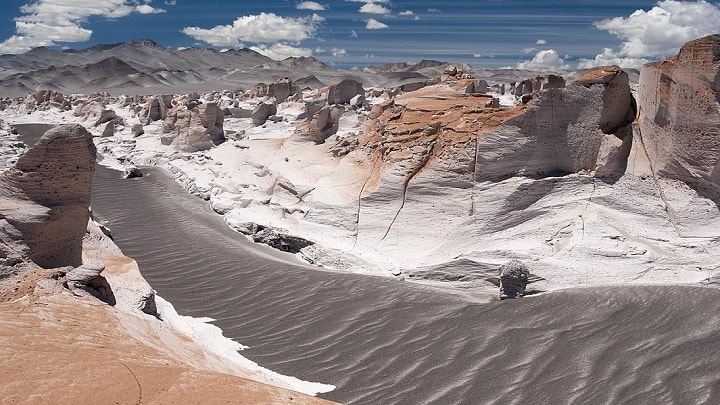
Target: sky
[(539, 35)]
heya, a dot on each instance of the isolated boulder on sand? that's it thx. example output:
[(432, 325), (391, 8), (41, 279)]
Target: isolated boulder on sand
[(514, 277)]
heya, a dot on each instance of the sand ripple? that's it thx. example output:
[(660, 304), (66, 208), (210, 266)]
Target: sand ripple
[(382, 341)]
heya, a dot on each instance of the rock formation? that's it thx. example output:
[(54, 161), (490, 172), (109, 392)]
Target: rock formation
[(680, 126), (281, 89), (262, 112), (156, 109), (343, 92), (514, 277), (584, 126), (47, 195), (191, 130)]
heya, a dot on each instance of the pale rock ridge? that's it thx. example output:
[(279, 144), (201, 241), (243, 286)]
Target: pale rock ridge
[(680, 122), (196, 129), (50, 185), (564, 130)]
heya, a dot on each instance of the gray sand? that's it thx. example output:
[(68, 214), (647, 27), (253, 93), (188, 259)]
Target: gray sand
[(382, 341)]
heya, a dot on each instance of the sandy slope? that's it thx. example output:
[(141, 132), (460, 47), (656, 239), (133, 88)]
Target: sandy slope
[(60, 349)]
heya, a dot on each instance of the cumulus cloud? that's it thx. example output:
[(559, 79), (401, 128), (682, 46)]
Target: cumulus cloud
[(148, 9), (477, 55), (540, 42), (49, 22), (373, 24), (609, 57), (657, 32), (338, 52), (406, 12), (280, 51), (261, 28), (545, 60), (373, 8), (310, 5)]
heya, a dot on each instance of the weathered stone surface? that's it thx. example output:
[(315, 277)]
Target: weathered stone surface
[(562, 130), (137, 130), (106, 116), (132, 172), (281, 89), (48, 194), (156, 109), (514, 277), (344, 91), (196, 129), (86, 281), (324, 124), (262, 112), (680, 125)]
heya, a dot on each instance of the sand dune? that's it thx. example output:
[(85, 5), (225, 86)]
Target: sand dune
[(385, 341)]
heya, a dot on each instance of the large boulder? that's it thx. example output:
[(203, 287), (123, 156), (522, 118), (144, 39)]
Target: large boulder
[(46, 198), (564, 130), (262, 112), (514, 277), (281, 89), (192, 130), (344, 91), (680, 125), (156, 109)]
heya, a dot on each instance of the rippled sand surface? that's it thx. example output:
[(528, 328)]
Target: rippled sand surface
[(383, 341)]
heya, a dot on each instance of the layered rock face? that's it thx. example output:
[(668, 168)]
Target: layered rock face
[(196, 129), (582, 127), (46, 198), (680, 125)]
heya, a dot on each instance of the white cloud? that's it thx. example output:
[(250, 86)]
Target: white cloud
[(609, 57), (261, 28), (477, 55), (353, 34), (170, 2), (406, 12), (373, 24), (49, 22), (528, 50), (540, 42), (338, 52), (546, 60), (373, 8), (310, 5), (148, 9), (279, 51), (660, 31)]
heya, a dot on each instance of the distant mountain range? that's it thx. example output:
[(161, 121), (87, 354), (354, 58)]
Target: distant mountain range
[(146, 67)]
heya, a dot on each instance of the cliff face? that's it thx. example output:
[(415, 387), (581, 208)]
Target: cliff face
[(46, 198), (680, 123)]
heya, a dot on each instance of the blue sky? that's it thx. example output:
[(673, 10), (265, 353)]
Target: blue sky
[(554, 35)]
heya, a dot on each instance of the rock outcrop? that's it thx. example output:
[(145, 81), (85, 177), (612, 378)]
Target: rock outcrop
[(156, 109), (583, 127), (680, 125), (343, 92), (262, 112), (281, 89), (192, 130), (514, 277), (46, 198)]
